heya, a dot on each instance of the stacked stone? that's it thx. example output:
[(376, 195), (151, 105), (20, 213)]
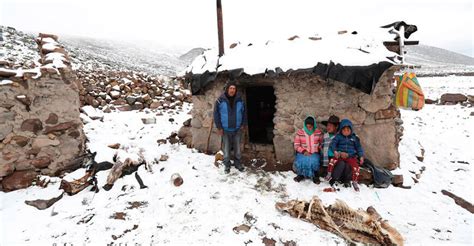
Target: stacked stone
[(376, 120), (40, 128), (124, 91)]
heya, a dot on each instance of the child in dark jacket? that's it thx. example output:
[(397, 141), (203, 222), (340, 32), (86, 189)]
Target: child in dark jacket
[(347, 151)]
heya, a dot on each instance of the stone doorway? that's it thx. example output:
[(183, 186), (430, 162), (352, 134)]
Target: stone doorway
[(260, 113)]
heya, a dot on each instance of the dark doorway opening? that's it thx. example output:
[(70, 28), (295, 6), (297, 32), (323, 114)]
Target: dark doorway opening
[(260, 112)]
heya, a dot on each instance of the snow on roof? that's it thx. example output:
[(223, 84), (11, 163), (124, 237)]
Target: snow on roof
[(301, 52)]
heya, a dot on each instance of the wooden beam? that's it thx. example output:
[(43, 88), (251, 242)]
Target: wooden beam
[(220, 28)]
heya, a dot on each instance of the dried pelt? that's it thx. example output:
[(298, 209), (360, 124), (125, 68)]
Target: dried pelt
[(353, 225)]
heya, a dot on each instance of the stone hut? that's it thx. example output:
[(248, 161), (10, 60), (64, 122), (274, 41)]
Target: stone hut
[(40, 128), (282, 83)]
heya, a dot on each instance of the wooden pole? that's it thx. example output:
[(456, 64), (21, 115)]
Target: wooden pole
[(220, 28)]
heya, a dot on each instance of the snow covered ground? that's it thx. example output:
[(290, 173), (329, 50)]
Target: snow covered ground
[(206, 208)]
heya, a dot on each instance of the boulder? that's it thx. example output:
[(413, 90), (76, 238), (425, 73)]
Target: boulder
[(452, 98), (18, 180)]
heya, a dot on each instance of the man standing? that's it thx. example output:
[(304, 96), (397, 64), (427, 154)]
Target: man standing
[(230, 118)]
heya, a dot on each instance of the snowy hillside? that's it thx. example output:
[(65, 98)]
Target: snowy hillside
[(88, 53), (437, 61), (209, 205)]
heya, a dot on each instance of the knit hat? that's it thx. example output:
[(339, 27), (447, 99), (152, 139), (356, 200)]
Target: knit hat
[(332, 119)]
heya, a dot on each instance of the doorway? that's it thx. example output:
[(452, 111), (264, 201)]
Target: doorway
[(260, 113)]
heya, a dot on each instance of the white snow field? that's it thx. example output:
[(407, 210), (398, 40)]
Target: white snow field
[(209, 204)]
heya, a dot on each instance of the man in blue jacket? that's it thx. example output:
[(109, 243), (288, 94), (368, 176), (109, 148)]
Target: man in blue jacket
[(230, 118)]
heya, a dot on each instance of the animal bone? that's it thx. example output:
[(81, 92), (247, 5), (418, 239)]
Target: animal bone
[(338, 218)]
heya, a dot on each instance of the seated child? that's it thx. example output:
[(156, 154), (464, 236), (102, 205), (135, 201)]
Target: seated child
[(347, 150), (307, 144)]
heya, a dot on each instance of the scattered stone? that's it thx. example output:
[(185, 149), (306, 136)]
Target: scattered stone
[(164, 158), (171, 120), (420, 158), (119, 216), (177, 180), (241, 228), (161, 141), (114, 146), (147, 121), (137, 204), (268, 241)]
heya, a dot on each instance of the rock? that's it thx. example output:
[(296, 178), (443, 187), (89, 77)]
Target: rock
[(161, 141), (430, 101), (155, 105), (124, 108), (187, 122), (241, 228), (20, 140), (7, 116), (147, 121), (32, 125), (7, 73), (22, 165), (389, 113), (114, 146), (397, 180), (176, 179), (164, 158), (60, 127), (25, 100), (131, 99), (52, 119), (115, 94), (41, 162), (420, 158), (268, 241), (18, 180), (137, 106), (452, 98), (5, 130), (6, 169), (43, 141)]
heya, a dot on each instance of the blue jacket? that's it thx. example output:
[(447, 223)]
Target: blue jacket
[(229, 118), (350, 144)]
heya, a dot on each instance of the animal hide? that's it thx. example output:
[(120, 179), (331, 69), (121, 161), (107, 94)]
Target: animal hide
[(353, 225)]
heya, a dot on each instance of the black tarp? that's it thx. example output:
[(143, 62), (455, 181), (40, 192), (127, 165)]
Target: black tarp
[(363, 78)]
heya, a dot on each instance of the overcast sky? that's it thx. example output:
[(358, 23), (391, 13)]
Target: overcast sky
[(192, 23)]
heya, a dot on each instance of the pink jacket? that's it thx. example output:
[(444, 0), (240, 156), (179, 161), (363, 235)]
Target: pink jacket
[(312, 143)]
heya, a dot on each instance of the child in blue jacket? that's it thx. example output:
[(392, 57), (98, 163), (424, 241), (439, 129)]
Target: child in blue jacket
[(347, 152)]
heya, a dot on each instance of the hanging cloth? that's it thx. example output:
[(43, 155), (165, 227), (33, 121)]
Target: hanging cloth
[(409, 93)]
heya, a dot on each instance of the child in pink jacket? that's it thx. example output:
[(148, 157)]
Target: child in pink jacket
[(307, 146)]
